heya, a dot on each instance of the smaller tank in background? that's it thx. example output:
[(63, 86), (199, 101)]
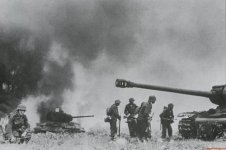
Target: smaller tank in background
[(59, 122)]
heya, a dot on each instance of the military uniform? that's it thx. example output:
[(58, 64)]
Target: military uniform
[(167, 118), (143, 120), (18, 127), (130, 110), (114, 114)]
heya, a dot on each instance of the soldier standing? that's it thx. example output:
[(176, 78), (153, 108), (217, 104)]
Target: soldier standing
[(143, 120), (130, 112), (167, 118), (114, 114), (18, 128)]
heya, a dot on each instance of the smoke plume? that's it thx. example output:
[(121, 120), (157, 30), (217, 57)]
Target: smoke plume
[(37, 57)]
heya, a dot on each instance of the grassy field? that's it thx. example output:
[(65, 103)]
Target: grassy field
[(100, 140)]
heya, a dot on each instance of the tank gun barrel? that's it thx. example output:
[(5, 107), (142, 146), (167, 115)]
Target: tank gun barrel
[(217, 95), (83, 116), (128, 84)]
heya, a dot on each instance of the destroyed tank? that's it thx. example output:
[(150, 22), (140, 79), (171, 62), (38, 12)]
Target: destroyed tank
[(205, 125), (59, 122)]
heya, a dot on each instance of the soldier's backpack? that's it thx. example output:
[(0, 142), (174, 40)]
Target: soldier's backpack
[(107, 119), (108, 113)]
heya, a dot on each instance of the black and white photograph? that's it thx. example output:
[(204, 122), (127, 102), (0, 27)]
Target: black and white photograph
[(112, 74)]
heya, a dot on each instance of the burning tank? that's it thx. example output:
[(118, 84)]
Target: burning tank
[(59, 122), (205, 125)]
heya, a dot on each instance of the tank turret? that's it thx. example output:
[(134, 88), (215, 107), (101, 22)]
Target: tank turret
[(206, 125), (217, 95), (60, 116)]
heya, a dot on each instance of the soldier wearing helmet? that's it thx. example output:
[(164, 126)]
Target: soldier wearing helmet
[(130, 112), (18, 128), (151, 99), (114, 115), (143, 120), (167, 118)]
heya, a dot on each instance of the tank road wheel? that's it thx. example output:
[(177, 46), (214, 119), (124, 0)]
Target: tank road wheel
[(209, 132), (187, 128)]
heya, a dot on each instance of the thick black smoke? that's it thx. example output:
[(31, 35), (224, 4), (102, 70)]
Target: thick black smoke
[(82, 29), (22, 59), (54, 82)]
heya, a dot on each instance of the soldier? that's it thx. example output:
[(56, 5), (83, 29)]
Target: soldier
[(130, 112), (18, 128), (167, 118), (114, 115), (143, 120)]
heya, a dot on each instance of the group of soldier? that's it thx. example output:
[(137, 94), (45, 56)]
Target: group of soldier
[(139, 118)]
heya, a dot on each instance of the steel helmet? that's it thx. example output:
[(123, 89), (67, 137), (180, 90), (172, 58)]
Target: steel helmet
[(152, 98), (21, 107), (117, 101), (131, 100), (170, 105)]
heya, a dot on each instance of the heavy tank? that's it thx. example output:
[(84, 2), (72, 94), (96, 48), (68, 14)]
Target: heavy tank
[(206, 125), (59, 122)]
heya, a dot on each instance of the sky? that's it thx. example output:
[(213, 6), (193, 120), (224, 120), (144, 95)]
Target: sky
[(81, 47)]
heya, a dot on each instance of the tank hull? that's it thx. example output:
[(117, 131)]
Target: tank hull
[(57, 127), (207, 125)]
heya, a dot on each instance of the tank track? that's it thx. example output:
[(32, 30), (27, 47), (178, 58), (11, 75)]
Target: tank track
[(204, 131), (209, 131), (187, 128)]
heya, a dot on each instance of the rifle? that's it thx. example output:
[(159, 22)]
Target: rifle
[(119, 127), (18, 140)]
